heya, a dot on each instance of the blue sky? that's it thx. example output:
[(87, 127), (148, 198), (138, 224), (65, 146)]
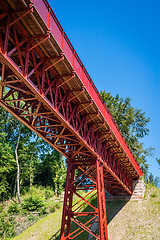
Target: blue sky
[(119, 44)]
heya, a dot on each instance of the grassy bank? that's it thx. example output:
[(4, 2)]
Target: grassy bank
[(138, 220), (46, 228), (16, 218), (131, 220)]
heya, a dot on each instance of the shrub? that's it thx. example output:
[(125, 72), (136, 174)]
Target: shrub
[(57, 205), (32, 203), (48, 194), (13, 208), (6, 226), (23, 212), (43, 211), (12, 219), (37, 190), (153, 195), (31, 218), (1, 208), (24, 190), (52, 209)]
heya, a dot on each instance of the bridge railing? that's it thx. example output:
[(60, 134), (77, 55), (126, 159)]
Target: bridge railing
[(60, 36)]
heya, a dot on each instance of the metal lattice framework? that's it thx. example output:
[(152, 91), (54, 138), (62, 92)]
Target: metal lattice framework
[(45, 86)]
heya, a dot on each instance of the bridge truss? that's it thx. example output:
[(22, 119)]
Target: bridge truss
[(45, 86)]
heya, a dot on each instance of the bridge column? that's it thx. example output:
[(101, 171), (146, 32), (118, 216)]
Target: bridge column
[(84, 209), (101, 202), (68, 201)]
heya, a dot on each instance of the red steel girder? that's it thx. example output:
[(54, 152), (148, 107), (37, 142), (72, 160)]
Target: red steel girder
[(40, 85), (73, 211), (47, 133)]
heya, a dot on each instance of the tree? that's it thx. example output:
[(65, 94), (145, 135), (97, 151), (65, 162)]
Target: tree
[(151, 179), (132, 122), (158, 161), (26, 159), (7, 166), (22, 146), (7, 159), (157, 181), (17, 161), (51, 169), (33, 160), (59, 178)]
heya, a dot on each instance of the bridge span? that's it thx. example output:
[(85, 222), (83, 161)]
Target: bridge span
[(44, 84)]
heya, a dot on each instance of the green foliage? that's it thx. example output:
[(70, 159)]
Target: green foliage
[(133, 124), (32, 208), (31, 218), (51, 170), (1, 208), (32, 203), (6, 226), (151, 179), (153, 195), (43, 211), (14, 208), (7, 165), (52, 209), (48, 194), (158, 161), (157, 181), (24, 190), (131, 121), (57, 205), (39, 163), (38, 190), (9, 127), (23, 212)]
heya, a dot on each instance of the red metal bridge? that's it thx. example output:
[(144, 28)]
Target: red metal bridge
[(44, 84)]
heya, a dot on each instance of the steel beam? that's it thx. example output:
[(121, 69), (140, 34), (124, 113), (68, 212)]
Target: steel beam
[(73, 210), (43, 90)]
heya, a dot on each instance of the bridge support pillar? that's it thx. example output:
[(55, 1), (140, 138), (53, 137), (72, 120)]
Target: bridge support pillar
[(101, 202), (84, 209)]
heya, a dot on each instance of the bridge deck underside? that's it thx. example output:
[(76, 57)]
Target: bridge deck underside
[(41, 88)]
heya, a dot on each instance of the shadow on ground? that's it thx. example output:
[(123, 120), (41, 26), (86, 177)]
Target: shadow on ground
[(56, 236), (113, 208)]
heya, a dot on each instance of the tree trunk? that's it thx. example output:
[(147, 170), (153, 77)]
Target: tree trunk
[(31, 168), (15, 186), (56, 186), (31, 174), (18, 167)]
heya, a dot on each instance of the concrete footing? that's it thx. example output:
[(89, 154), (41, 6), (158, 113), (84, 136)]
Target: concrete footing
[(138, 193)]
